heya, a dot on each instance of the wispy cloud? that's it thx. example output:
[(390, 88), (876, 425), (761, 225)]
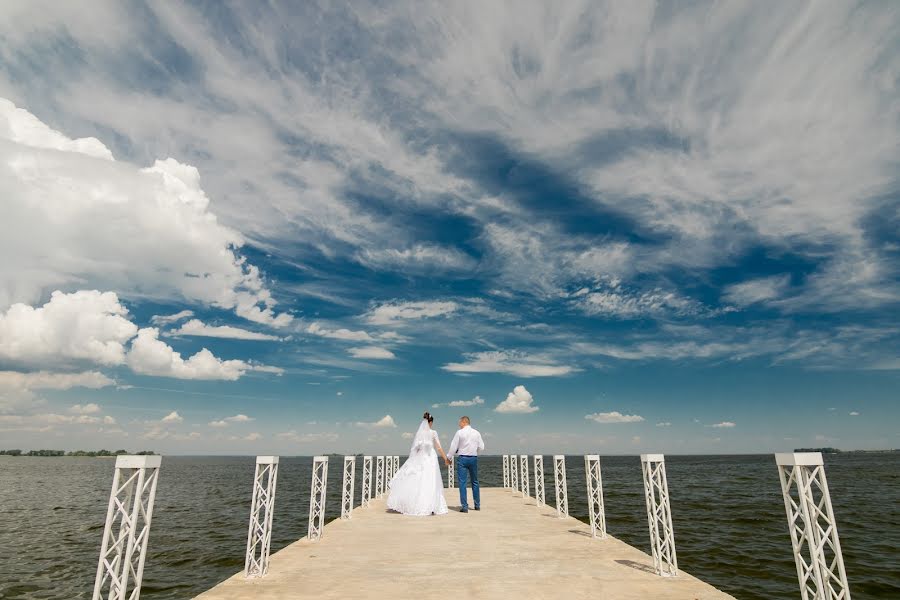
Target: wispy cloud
[(613, 417), (512, 363)]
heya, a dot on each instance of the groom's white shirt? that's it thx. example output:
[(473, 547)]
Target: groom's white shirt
[(466, 442)]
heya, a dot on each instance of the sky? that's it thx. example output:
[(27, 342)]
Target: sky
[(291, 228)]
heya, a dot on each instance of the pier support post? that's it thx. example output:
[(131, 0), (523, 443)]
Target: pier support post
[(396, 464), (523, 462), (814, 535), (659, 514), (366, 492), (262, 509), (539, 479), (506, 471), (595, 495), (317, 498), (514, 473), (562, 490), (379, 477), (347, 487), (451, 473), (127, 529)]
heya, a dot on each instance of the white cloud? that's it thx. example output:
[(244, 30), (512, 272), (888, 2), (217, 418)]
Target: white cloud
[(163, 320), (512, 363), (339, 334), (613, 417), (664, 424), (517, 401), (75, 216), (86, 325), (150, 356), (724, 425), (307, 438), (394, 313), (757, 290), (373, 352), (406, 435), (172, 417), (477, 400), (386, 421), (240, 418), (85, 409), (196, 327), (218, 424), (43, 380), (854, 413), (418, 257), (252, 437), (613, 300)]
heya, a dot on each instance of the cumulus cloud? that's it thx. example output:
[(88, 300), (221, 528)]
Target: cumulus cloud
[(476, 401), (172, 417), (84, 409), (385, 422), (396, 312), (724, 425), (86, 325), (517, 401), (512, 363), (854, 413), (196, 327), (74, 215), (373, 352), (613, 417), (150, 356), (44, 380)]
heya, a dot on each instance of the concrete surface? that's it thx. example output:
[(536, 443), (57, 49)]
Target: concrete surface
[(509, 550)]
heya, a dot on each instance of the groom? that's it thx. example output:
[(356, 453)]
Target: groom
[(466, 444)]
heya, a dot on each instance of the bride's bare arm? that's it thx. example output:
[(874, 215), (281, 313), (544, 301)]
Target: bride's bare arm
[(437, 446)]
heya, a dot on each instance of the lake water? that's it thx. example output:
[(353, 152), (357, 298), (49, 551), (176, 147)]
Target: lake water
[(730, 525)]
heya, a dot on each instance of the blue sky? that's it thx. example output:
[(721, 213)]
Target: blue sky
[(606, 227)]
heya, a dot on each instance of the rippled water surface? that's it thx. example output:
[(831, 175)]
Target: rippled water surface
[(730, 526)]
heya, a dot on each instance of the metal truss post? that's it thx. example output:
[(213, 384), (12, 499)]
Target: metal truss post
[(396, 464), (562, 490), (127, 530), (814, 535), (262, 509), (659, 514), (523, 462), (506, 471), (451, 473), (366, 492), (539, 479), (595, 495), (317, 498), (388, 471), (514, 473), (379, 476), (347, 487)]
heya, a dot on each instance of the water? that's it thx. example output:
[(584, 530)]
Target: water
[(730, 526)]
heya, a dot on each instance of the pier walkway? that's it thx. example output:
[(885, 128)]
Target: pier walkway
[(510, 549)]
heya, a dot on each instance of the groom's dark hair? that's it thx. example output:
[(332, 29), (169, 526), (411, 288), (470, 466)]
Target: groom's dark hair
[(465, 420)]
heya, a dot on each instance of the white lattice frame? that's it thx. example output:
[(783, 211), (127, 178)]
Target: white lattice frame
[(396, 464), (262, 510), (562, 490), (594, 482), (317, 498), (379, 476), (659, 515), (388, 471), (523, 476), (347, 486), (506, 471), (514, 473), (813, 529), (127, 529), (539, 480), (366, 491), (451, 472)]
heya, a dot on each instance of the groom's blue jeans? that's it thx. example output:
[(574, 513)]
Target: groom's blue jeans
[(466, 467)]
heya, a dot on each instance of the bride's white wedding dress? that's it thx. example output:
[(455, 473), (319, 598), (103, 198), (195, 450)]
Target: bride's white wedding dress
[(417, 488)]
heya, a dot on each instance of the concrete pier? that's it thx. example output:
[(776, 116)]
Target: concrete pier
[(508, 550)]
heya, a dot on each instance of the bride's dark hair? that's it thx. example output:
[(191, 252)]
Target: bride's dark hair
[(427, 416)]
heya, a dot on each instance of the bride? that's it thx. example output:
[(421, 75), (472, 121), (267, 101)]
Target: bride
[(417, 488)]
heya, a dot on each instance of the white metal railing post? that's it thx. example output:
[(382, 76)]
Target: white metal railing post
[(514, 473), (539, 479), (379, 476), (562, 489), (388, 471), (594, 482), (506, 471), (366, 492), (813, 529), (523, 463), (347, 487), (262, 510), (396, 464), (317, 498), (659, 514), (127, 529), (451, 473)]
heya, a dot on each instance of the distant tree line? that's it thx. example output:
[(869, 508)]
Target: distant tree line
[(72, 453)]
